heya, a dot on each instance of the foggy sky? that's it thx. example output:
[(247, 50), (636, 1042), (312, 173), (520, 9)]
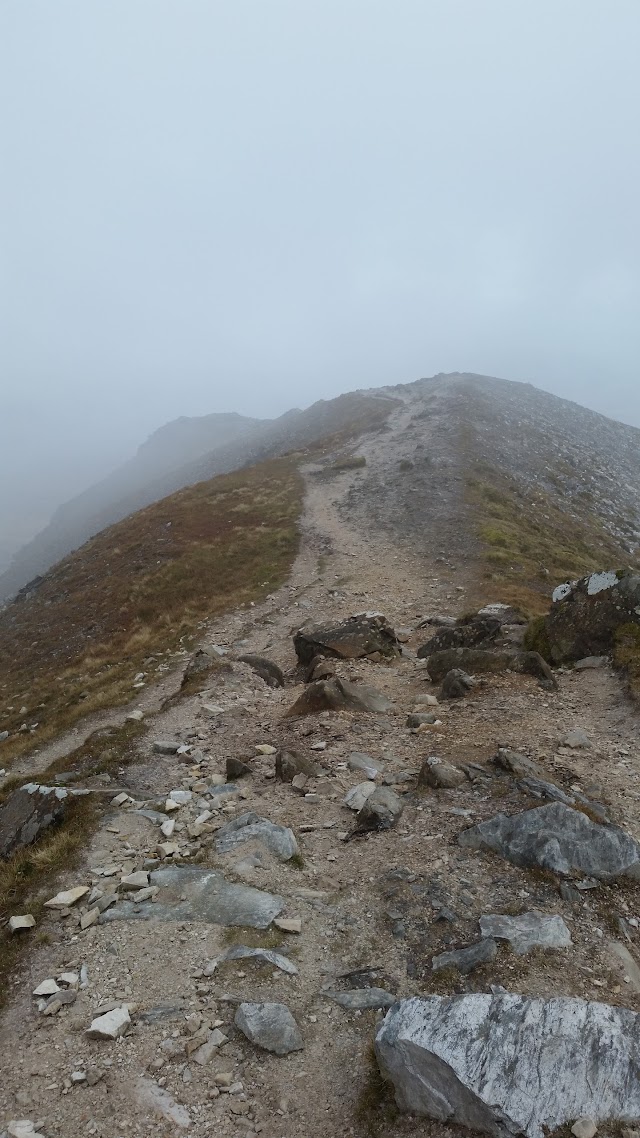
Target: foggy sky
[(212, 205)]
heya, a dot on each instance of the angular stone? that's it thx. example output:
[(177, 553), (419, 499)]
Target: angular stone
[(466, 959), (90, 918), (151, 1097), (111, 1025), (22, 1128), (456, 684), (16, 924), (265, 955), (339, 695), (481, 630), (509, 1065), (577, 738), (164, 747), (439, 774), (27, 813), (292, 763), (188, 893), (381, 811), (250, 827), (420, 718), (67, 897), (46, 988), (352, 639), (530, 930), (558, 838), (369, 767), (288, 924), (584, 1128), (475, 660), (517, 764), (362, 999), (270, 1026), (590, 662), (137, 880), (236, 768), (266, 669), (358, 795)]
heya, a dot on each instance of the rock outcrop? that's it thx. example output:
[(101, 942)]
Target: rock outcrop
[(366, 634), (476, 660)]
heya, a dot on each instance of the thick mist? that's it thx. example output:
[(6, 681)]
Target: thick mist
[(246, 207)]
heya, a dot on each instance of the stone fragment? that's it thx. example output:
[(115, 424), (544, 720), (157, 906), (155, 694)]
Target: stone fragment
[(577, 738), (153, 1098), (439, 774), (137, 880), (381, 811), (265, 749), (362, 999), (292, 763), (89, 918), (288, 924), (27, 812), (265, 955), (419, 719), (46, 988), (466, 959), (167, 827), (560, 839), (364, 763), (338, 695), (22, 1128), (165, 747), (111, 1025), (480, 630), (352, 639), (506, 1064), (456, 684), (266, 669), (120, 799), (236, 768), (518, 765), (249, 827), (181, 797), (358, 795), (589, 662), (67, 897), (270, 1026), (584, 1128), (530, 930), (26, 921)]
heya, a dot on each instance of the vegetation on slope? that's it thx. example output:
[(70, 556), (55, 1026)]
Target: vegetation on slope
[(137, 592)]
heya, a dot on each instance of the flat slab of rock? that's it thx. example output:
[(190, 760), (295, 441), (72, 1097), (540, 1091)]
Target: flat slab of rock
[(364, 763), (292, 763), (111, 1025), (250, 827), (508, 1065), (560, 839), (270, 1026), (478, 660), (265, 955), (266, 669), (188, 893), (530, 930), (352, 639), (156, 1099), (362, 999), (358, 795), (339, 695)]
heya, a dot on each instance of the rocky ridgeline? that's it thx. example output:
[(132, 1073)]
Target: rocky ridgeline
[(232, 849)]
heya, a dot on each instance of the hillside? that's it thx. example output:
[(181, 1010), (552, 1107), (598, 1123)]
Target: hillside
[(267, 870), (181, 454)]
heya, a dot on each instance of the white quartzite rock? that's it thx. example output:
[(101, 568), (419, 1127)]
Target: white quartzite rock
[(510, 1065), (530, 930), (111, 1025)]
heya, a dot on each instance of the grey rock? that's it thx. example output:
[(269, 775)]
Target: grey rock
[(587, 614), (165, 747), (250, 827), (589, 662), (577, 738), (560, 839), (270, 1026), (358, 795), (292, 763), (381, 811), (456, 684), (361, 999), (417, 718), (27, 812), (150, 1097), (479, 660), (352, 639), (509, 1065), (439, 774), (466, 959), (361, 762), (265, 955), (266, 669), (236, 768), (188, 893), (539, 788), (338, 695), (518, 765), (466, 634), (530, 930)]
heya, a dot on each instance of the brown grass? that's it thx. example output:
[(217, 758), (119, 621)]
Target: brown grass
[(135, 594)]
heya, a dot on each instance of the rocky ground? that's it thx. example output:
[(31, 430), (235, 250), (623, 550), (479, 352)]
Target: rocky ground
[(355, 912)]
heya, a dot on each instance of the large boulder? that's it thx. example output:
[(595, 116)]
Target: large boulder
[(475, 660), (558, 838), (363, 635), (586, 615), (28, 812), (481, 630), (509, 1065), (338, 695), (204, 664)]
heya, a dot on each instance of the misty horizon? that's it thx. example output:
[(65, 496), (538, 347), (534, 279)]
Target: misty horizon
[(211, 209)]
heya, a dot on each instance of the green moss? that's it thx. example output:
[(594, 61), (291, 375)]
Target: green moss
[(350, 462), (626, 654), (536, 638)]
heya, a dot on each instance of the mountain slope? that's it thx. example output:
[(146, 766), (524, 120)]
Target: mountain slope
[(181, 454)]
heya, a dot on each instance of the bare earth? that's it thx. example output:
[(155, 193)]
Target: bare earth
[(388, 902)]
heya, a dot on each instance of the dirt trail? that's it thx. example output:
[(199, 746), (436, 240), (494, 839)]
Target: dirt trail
[(388, 902)]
